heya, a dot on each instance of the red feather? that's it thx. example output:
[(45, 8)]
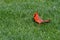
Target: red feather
[(38, 19)]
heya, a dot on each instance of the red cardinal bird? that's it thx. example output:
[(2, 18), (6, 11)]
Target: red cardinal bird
[(38, 19)]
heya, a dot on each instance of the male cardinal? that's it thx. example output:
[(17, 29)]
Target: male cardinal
[(38, 19)]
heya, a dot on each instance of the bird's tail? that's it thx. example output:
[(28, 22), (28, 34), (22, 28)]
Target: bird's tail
[(47, 21)]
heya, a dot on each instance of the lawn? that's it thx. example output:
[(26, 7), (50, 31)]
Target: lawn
[(16, 20)]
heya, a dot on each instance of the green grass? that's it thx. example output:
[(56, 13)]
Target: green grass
[(16, 20)]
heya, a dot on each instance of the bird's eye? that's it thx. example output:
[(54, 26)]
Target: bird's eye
[(34, 15)]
